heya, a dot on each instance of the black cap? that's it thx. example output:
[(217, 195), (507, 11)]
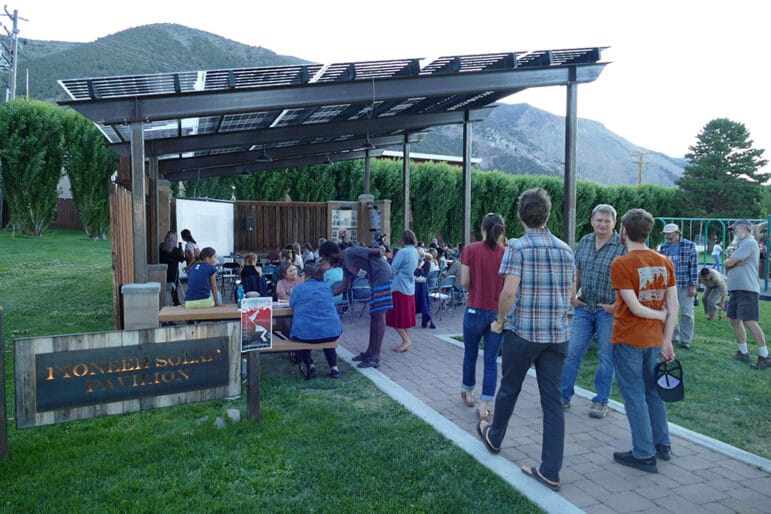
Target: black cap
[(669, 381)]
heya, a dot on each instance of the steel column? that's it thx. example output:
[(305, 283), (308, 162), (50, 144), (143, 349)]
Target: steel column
[(569, 196), (155, 227), (406, 180), (466, 179), (138, 201), (366, 172)]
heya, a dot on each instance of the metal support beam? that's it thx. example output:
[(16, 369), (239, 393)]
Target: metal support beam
[(138, 201), (406, 180), (466, 179), (155, 230), (366, 172), (569, 196)]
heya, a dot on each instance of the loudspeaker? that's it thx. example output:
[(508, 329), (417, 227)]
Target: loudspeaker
[(249, 223)]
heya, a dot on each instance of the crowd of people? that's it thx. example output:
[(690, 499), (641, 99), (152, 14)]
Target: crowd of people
[(636, 303)]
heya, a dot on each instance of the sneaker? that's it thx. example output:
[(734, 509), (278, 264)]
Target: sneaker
[(685, 346), (663, 451), (334, 373), (627, 459), (565, 405), (369, 363), (762, 363), (741, 357), (598, 410)]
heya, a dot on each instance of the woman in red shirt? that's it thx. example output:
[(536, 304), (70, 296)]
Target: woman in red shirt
[(480, 263)]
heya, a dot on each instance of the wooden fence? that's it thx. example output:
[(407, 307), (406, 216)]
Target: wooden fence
[(122, 238), (277, 224)]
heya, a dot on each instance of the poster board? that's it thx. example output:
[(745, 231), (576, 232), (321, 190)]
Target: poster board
[(256, 324)]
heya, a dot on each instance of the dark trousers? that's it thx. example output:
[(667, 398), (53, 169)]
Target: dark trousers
[(330, 353), (517, 355)]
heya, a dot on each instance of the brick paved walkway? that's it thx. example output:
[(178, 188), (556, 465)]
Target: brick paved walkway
[(698, 478)]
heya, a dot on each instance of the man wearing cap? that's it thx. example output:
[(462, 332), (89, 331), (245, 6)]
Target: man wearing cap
[(682, 253), (744, 290)]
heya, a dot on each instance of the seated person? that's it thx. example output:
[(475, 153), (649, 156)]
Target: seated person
[(288, 280), (333, 275), (202, 281), (251, 277), (315, 320)]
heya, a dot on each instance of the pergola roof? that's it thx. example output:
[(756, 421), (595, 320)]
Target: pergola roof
[(224, 122)]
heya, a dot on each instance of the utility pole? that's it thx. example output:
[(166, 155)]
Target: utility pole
[(12, 50), (640, 163)]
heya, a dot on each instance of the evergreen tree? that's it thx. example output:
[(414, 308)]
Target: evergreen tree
[(89, 164), (30, 162), (722, 178)]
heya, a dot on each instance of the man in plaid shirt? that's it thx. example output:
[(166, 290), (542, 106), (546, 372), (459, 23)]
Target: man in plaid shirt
[(594, 305), (682, 253), (538, 271)]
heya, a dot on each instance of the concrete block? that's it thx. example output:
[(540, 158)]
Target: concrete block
[(140, 305)]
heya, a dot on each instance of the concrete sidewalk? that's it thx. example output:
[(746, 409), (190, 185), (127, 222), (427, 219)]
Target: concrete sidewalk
[(703, 474)]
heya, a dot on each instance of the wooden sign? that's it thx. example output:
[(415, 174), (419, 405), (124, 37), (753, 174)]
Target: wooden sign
[(81, 376)]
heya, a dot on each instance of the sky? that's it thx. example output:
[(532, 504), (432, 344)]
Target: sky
[(673, 65)]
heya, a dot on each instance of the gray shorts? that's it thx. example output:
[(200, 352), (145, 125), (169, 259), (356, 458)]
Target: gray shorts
[(743, 305)]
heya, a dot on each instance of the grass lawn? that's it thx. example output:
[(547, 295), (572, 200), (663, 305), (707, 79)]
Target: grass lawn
[(322, 446), (724, 399)]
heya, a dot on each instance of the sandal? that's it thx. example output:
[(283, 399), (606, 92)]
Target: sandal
[(483, 429), (535, 474), (468, 398), (485, 417)]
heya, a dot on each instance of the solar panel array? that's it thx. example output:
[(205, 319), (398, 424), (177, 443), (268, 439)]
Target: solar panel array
[(300, 76)]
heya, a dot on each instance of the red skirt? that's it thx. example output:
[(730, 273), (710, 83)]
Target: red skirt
[(403, 313)]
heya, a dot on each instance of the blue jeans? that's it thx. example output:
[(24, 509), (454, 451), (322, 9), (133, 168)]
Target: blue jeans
[(476, 325), (518, 355), (645, 410), (585, 325)]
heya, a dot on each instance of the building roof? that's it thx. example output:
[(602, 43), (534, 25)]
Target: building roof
[(224, 122)]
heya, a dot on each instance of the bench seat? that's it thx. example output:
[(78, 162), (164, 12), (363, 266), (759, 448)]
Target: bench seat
[(288, 345)]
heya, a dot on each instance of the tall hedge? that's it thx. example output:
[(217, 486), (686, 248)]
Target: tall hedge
[(436, 194), (31, 156)]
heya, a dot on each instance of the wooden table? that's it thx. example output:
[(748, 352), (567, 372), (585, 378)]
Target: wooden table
[(180, 313)]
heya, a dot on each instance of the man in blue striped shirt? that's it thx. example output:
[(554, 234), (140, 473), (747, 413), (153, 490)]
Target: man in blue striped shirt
[(682, 253), (539, 271)]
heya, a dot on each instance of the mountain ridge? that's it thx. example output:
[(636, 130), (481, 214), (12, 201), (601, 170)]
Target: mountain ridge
[(516, 138)]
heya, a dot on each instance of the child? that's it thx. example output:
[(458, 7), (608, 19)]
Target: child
[(251, 276), (202, 281)]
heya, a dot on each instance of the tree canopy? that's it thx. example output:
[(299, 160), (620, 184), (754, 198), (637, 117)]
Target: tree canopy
[(722, 178)]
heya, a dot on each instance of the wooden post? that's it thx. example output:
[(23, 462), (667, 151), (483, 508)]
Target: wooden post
[(3, 417), (253, 385)]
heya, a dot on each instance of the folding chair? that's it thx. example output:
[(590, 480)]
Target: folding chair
[(359, 292)]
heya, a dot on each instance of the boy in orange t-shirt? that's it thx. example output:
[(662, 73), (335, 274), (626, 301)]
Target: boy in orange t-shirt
[(644, 320)]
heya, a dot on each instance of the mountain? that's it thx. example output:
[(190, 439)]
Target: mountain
[(516, 138), (158, 48), (521, 139)]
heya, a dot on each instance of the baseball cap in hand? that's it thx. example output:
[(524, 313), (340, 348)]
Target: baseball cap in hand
[(669, 381)]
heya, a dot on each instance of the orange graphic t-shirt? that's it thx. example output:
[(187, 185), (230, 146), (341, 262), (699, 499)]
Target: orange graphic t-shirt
[(648, 274)]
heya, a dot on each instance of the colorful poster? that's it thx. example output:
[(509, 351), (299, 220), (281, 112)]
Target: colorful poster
[(256, 324)]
